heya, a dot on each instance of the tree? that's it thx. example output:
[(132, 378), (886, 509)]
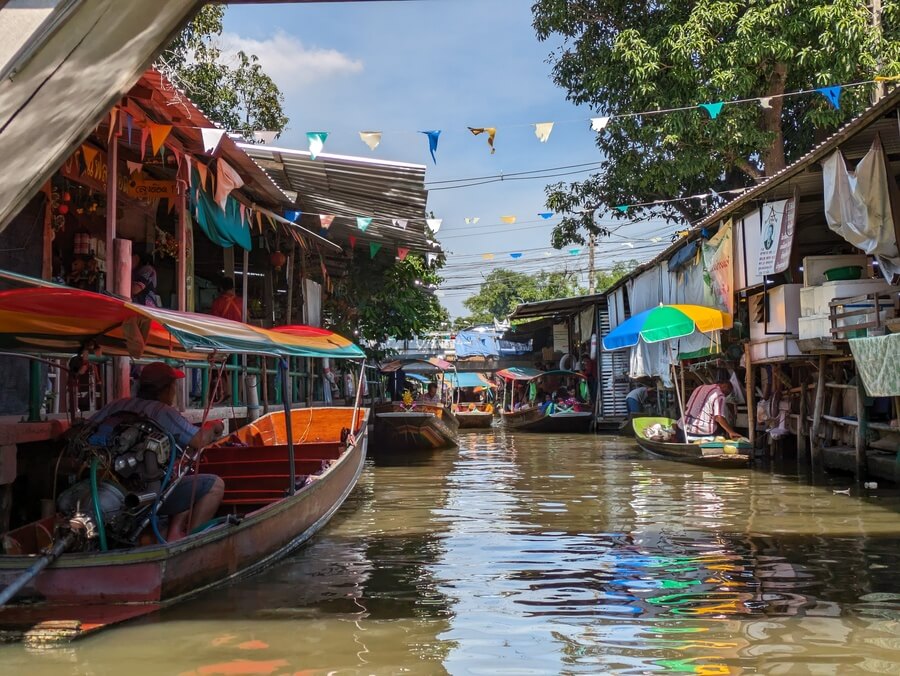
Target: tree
[(377, 301), (606, 278), (622, 56), (242, 99), (502, 290)]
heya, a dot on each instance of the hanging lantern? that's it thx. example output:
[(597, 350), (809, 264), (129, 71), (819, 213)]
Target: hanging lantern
[(278, 260)]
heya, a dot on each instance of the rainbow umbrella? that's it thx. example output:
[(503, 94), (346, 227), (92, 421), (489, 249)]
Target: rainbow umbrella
[(664, 323)]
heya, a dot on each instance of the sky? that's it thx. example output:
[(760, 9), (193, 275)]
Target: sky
[(402, 67)]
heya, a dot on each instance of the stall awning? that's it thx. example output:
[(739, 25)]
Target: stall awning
[(557, 306), (468, 379)]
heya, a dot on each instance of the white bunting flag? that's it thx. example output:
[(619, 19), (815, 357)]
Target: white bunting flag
[(628, 244), (542, 131), (265, 137), (211, 138), (656, 239), (765, 102), (370, 138), (599, 123), (430, 258), (326, 220), (472, 220), (399, 222), (434, 224)]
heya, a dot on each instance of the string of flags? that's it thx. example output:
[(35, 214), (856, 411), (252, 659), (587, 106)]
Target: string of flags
[(542, 130)]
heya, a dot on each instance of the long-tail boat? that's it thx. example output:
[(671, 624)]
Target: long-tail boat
[(415, 425), (708, 453), (285, 474), (472, 414), (522, 411)]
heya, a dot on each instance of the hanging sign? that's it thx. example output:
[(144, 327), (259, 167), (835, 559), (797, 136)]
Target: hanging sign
[(779, 220), (147, 189), (718, 264)]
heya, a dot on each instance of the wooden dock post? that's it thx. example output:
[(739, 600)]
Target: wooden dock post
[(818, 407), (862, 427), (802, 426), (748, 397)]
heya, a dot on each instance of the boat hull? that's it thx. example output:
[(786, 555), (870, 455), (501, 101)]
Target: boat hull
[(425, 428), (472, 420), (158, 575), (707, 455), (531, 420)]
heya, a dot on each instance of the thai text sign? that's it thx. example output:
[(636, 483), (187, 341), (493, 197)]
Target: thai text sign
[(777, 237), (718, 262), (147, 189)]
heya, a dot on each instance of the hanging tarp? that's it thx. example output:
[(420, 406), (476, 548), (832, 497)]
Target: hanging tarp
[(476, 344), (683, 256), (858, 205), (224, 228), (718, 265), (876, 360)]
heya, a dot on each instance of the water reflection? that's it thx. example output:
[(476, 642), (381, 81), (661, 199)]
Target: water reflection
[(542, 554)]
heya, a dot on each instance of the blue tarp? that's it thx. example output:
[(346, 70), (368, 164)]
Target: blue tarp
[(476, 344), (683, 256), (225, 228)]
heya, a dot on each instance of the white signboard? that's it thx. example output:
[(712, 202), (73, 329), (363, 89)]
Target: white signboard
[(777, 236)]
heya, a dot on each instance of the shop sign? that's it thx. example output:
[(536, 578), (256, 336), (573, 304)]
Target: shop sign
[(779, 220), (147, 189)]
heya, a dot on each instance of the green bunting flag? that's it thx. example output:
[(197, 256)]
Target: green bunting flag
[(713, 109), (373, 249)]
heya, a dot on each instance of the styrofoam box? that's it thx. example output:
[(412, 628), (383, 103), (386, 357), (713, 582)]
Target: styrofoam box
[(774, 348), (784, 308), (830, 291), (815, 326), (814, 267), (809, 301)]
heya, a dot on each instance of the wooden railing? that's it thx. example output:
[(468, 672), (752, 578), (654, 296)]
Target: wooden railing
[(867, 308)]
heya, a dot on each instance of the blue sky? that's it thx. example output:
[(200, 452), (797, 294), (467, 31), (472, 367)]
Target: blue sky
[(400, 67)]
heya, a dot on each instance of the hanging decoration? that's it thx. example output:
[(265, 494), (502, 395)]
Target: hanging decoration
[(402, 252), (575, 251), (211, 138), (546, 214), (227, 179), (278, 260), (129, 125), (472, 220), (487, 256), (508, 219), (90, 154), (433, 136), (363, 222), (113, 118), (542, 131), (833, 94), (158, 135), (399, 223), (622, 208), (765, 102), (430, 258), (370, 138), (491, 133), (352, 242), (293, 216), (265, 136), (713, 109), (145, 136), (374, 248), (326, 220), (434, 224), (516, 255), (599, 123), (202, 173), (316, 141)]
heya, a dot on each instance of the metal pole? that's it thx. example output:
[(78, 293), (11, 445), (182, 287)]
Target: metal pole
[(34, 392), (288, 428)]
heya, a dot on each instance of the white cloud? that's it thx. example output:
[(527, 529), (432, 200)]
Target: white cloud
[(289, 62)]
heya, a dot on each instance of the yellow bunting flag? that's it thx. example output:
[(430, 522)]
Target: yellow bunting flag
[(508, 219), (491, 133), (487, 257), (370, 138), (90, 154), (158, 135), (542, 131)]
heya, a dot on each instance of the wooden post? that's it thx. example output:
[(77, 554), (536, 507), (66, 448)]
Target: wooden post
[(748, 396), (801, 422), (815, 448), (181, 261), (228, 262), (862, 427), (112, 194), (121, 255), (244, 284), (289, 306)]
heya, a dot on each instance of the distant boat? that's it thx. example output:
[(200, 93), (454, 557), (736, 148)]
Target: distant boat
[(708, 454), (472, 415), (550, 419)]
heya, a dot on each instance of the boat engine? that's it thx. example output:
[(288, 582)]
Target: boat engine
[(131, 453)]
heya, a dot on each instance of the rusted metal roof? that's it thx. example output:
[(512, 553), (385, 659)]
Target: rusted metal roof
[(348, 187), (557, 306)]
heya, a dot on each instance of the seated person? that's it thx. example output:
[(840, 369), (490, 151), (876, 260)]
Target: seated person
[(705, 414), (155, 400), (565, 401), (431, 396)]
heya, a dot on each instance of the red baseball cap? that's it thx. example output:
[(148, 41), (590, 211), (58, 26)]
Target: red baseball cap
[(159, 374)]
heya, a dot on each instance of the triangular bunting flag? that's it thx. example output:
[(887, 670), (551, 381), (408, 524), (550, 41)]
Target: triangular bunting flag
[(133, 167), (399, 222), (656, 239), (374, 248), (326, 220), (434, 224), (227, 179), (473, 220), (265, 136), (599, 123), (129, 124), (574, 252), (158, 135), (211, 138), (508, 219), (316, 142), (430, 258), (515, 255), (202, 171), (546, 214), (352, 242), (90, 154), (259, 221), (487, 256), (243, 210), (713, 108), (547, 254), (370, 138), (113, 117), (292, 216), (628, 244), (432, 142), (623, 208), (491, 133), (402, 253), (542, 131), (363, 222), (833, 94), (145, 136), (765, 102)]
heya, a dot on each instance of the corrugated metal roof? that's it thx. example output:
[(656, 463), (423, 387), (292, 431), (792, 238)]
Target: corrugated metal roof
[(849, 138), (557, 306), (348, 187)]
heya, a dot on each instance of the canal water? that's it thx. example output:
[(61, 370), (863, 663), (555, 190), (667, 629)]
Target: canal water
[(528, 554)]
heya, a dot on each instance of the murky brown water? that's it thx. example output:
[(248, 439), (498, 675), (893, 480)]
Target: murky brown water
[(543, 555)]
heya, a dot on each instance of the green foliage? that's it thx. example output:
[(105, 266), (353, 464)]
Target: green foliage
[(622, 56), (502, 290), (241, 98), (377, 301), (606, 278)]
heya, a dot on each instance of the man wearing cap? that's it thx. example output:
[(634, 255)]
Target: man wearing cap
[(155, 400)]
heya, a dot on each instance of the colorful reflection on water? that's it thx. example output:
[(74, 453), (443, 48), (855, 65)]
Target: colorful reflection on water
[(523, 554)]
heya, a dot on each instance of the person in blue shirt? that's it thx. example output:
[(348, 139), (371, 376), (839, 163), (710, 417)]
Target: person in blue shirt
[(155, 400)]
